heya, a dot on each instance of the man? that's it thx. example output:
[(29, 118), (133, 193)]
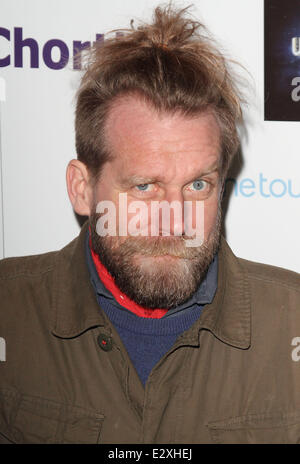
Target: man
[(130, 336)]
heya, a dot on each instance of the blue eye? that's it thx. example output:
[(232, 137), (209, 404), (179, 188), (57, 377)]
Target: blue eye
[(199, 185), (142, 187)]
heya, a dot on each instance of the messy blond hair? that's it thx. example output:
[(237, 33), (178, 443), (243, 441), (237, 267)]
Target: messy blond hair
[(172, 64)]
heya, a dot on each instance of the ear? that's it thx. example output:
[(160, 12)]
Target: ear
[(79, 188)]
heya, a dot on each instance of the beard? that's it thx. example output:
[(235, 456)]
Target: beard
[(156, 272)]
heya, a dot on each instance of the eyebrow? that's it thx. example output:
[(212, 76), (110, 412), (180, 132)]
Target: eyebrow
[(138, 180), (215, 167)]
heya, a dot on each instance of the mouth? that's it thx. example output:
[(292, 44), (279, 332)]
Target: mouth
[(158, 257)]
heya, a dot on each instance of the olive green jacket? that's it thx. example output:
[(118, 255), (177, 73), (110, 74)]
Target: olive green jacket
[(65, 376)]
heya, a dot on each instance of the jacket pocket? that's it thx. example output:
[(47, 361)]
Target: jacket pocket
[(30, 419), (264, 428)]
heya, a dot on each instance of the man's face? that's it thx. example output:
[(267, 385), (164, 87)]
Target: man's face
[(159, 157)]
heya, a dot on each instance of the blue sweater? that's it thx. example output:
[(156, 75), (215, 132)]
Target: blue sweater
[(146, 339)]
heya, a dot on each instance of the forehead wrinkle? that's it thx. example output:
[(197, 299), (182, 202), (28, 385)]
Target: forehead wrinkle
[(135, 129), (123, 126), (158, 143)]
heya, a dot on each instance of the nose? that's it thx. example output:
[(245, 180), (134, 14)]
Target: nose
[(172, 215)]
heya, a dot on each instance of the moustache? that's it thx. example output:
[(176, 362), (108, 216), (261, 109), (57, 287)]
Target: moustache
[(159, 246)]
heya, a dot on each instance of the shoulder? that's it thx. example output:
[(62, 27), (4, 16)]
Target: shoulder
[(259, 275), (26, 266), (28, 287), (269, 275), (35, 265), (274, 292)]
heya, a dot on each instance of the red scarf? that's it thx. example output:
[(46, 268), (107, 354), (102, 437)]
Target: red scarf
[(121, 297)]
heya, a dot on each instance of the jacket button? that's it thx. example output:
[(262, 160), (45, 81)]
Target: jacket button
[(105, 342)]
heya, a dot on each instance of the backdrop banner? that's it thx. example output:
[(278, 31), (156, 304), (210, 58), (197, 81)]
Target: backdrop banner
[(39, 77), (282, 60)]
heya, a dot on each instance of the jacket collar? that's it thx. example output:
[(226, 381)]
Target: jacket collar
[(228, 317), (75, 307)]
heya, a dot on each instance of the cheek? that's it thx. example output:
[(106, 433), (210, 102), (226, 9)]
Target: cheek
[(104, 192), (205, 216), (210, 215), (132, 217)]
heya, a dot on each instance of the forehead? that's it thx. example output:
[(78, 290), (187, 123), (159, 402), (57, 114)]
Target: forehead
[(139, 136)]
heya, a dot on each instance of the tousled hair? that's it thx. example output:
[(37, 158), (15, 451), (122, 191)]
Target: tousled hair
[(173, 65)]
